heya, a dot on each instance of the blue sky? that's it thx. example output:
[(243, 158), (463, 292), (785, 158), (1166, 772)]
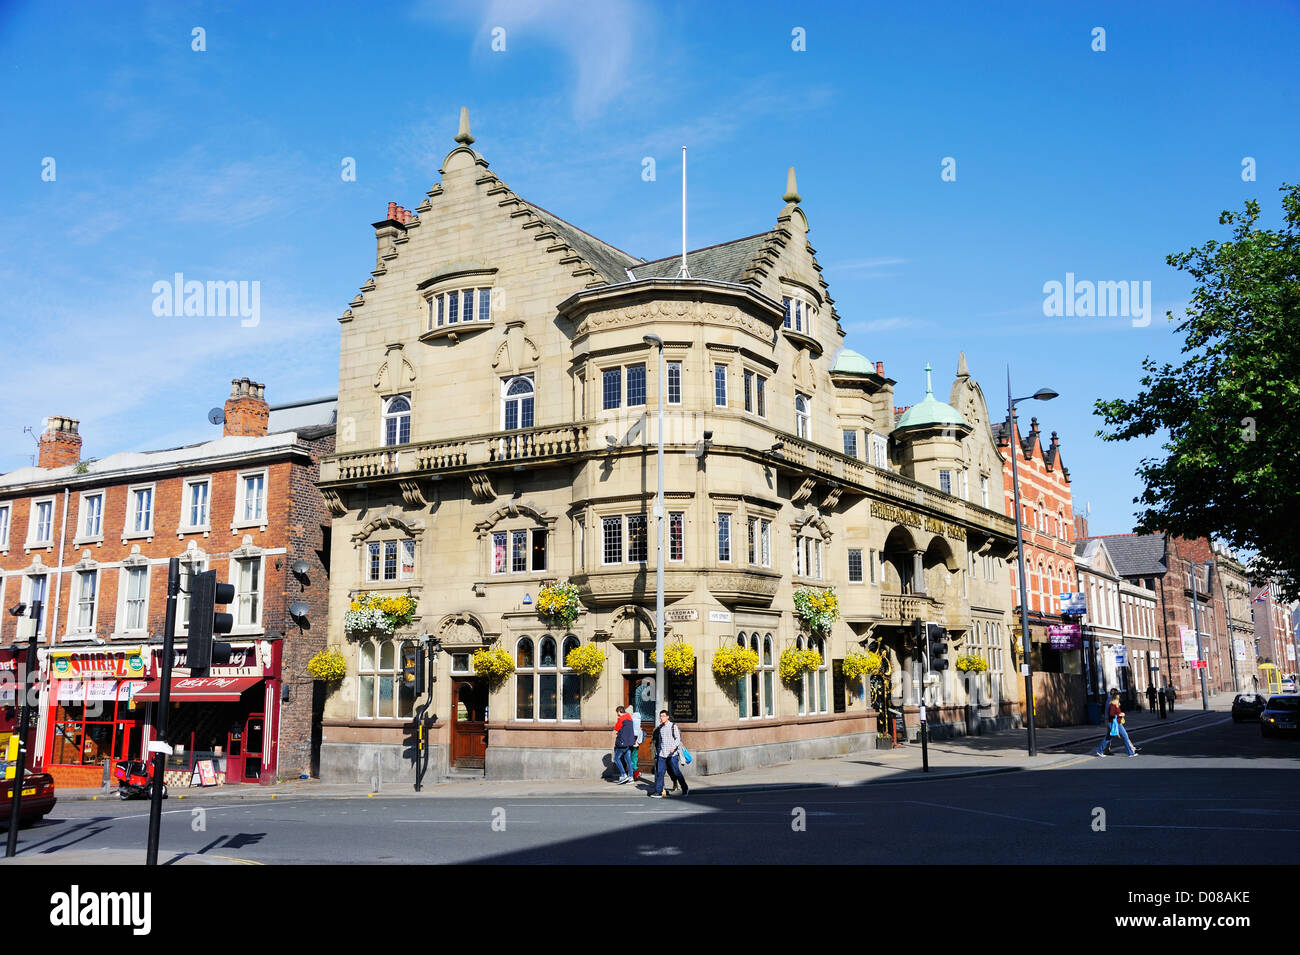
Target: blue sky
[(225, 165)]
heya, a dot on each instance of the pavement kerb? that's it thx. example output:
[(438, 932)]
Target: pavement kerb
[(473, 788)]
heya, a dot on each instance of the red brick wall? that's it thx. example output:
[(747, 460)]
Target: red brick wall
[(1053, 546), (296, 519), (308, 522), (1175, 613)]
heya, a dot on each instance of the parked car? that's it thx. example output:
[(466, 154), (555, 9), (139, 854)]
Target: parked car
[(1288, 684), (1248, 706), (1280, 715), (38, 798)]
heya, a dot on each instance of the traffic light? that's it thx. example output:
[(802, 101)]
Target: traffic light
[(937, 639), (413, 667), (205, 595)]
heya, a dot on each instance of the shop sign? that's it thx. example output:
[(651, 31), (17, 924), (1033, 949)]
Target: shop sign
[(681, 615), (81, 664), (1074, 603), (1290, 651), (1121, 656), (720, 616), (90, 691), (1066, 636), (246, 659)]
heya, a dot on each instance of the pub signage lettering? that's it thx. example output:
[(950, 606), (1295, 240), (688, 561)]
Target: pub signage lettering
[(682, 697), (901, 515)]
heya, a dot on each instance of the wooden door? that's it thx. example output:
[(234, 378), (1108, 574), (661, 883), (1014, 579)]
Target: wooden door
[(469, 722)]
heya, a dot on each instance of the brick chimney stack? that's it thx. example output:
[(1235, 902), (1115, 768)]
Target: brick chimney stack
[(246, 409), (60, 444)]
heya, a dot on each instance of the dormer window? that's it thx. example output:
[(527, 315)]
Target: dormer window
[(799, 314), (459, 307)]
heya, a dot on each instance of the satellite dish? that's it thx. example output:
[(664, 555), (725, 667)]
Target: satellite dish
[(299, 609), (217, 416)]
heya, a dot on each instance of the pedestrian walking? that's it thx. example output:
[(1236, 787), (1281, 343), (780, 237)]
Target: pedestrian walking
[(639, 738), (1163, 714), (1115, 727), (624, 737), (668, 745), (1172, 696), (1151, 697)]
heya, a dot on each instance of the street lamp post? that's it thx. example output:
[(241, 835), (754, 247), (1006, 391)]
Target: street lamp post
[(660, 699), (1027, 667)]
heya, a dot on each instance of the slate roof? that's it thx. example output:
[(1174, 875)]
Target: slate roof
[(725, 262), (611, 263), (1137, 555)]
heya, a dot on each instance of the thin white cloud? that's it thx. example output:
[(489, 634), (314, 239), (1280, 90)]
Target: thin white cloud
[(599, 40), (890, 324)]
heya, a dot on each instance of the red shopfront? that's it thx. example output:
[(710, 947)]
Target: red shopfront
[(91, 713), (231, 716)]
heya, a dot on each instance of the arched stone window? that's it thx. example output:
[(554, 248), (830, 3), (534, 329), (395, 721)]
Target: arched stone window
[(517, 403), (397, 420)]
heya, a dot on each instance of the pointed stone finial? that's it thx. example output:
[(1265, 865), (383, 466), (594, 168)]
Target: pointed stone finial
[(929, 389), (462, 135), (791, 190), (962, 370)]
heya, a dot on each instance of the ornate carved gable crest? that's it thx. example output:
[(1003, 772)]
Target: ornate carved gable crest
[(395, 374), (517, 352)]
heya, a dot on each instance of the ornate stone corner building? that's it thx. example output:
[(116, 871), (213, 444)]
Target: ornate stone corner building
[(497, 428)]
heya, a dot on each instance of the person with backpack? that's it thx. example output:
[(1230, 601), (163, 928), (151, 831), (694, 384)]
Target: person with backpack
[(624, 737), (1115, 727), (668, 746)]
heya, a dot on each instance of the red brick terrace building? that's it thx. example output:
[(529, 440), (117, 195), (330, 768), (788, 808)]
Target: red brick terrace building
[(92, 539)]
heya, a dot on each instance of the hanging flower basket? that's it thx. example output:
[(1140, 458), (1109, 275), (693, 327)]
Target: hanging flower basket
[(495, 663), (817, 609), (559, 604), (970, 663), (588, 659), (679, 659), (732, 661), (328, 665), (858, 664), (794, 663), (379, 611)]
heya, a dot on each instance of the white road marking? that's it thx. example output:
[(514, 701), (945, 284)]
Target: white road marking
[(980, 812)]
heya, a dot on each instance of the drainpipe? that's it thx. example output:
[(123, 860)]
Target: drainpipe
[(58, 580)]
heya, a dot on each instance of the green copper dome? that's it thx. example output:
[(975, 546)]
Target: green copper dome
[(854, 363), (930, 411)]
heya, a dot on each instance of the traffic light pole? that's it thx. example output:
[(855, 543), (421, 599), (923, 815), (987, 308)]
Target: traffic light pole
[(24, 725), (164, 705), (923, 647)]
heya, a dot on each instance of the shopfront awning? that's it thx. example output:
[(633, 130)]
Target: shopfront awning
[(200, 689)]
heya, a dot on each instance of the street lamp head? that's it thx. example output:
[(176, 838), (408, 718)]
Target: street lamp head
[(1045, 394), (653, 340)]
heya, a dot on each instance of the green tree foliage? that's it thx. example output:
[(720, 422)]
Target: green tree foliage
[(1232, 409)]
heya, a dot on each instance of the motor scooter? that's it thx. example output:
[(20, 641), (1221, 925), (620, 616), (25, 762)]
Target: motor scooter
[(135, 779)]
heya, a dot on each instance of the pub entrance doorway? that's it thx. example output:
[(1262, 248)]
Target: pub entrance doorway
[(469, 722)]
